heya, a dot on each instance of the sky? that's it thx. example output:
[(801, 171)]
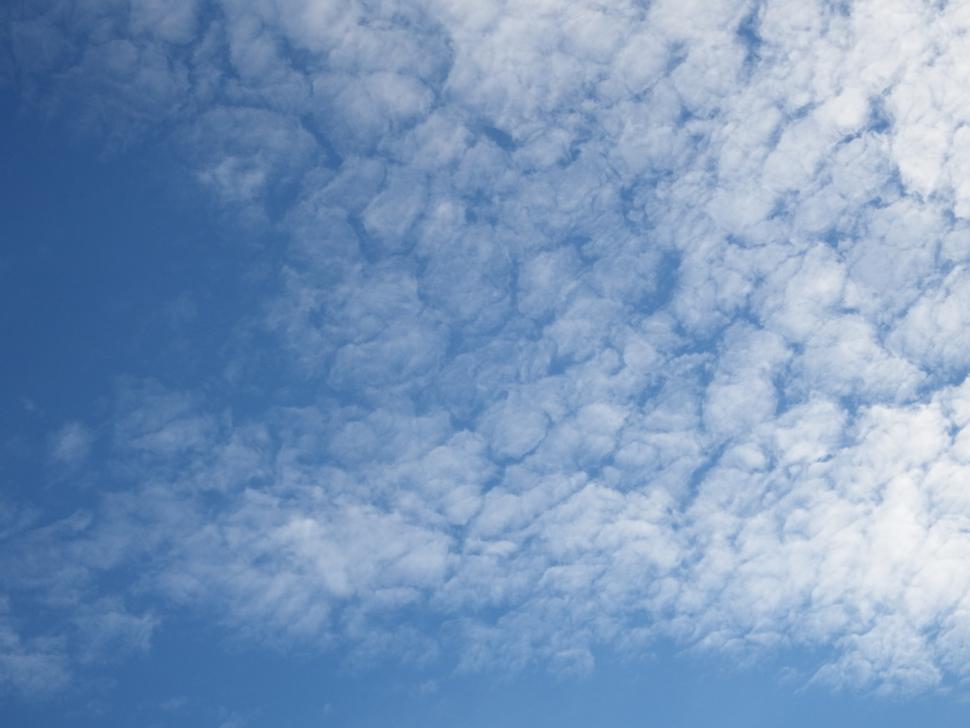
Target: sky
[(449, 363)]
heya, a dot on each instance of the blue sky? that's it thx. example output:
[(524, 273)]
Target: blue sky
[(436, 363)]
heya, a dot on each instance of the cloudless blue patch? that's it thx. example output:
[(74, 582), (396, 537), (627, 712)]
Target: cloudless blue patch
[(501, 138), (750, 38)]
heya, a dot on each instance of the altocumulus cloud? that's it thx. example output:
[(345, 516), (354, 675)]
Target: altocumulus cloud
[(595, 324)]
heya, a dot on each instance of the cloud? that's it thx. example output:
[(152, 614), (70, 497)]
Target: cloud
[(108, 631), (33, 667), (71, 444), (593, 324)]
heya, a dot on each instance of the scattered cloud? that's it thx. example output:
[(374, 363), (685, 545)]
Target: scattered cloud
[(598, 323), (31, 667)]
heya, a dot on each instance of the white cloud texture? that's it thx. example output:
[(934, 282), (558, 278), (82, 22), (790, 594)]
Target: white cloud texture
[(600, 323)]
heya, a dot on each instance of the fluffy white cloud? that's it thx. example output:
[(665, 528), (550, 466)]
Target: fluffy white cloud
[(596, 323)]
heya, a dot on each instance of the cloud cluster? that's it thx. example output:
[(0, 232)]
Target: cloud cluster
[(595, 324), (31, 666)]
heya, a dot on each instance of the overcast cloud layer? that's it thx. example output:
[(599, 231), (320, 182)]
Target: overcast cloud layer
[(591, 324)]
